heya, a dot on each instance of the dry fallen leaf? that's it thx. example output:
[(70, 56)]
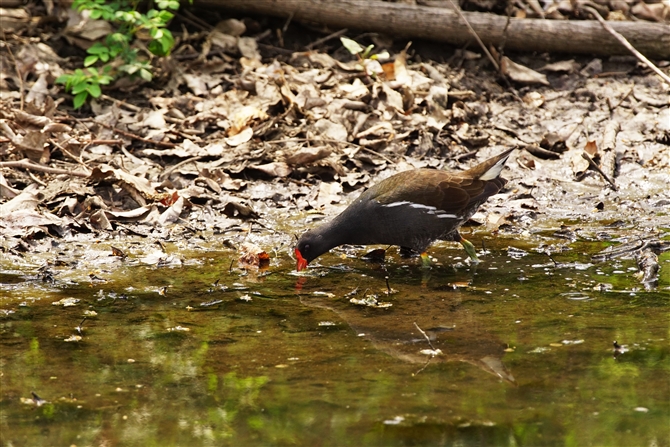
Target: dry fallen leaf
[(521, 74), (251, 255)]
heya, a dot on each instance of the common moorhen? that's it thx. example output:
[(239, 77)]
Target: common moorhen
[(411, 209)]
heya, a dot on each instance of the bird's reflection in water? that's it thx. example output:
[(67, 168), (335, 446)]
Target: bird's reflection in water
[(426, 329)]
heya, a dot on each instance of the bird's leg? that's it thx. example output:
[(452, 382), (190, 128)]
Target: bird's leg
[(469, 248), (425, 259)]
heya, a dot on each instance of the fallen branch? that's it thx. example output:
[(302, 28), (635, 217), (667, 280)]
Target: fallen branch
[(443, 25)]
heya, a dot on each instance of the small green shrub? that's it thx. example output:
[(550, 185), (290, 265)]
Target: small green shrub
[(116, 57)]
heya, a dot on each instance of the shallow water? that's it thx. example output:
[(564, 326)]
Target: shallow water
[(516, 351)]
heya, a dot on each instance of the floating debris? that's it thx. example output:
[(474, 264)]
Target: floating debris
[(370, 301), (539, 350), (326, 294), (431, 352), (395, 421), (66, 302)]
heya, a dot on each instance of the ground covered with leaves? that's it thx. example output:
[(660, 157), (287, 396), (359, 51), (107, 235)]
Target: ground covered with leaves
[(254, 134)]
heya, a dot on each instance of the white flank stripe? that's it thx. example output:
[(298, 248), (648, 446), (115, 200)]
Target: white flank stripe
[(429, 209), (394, 204), (422, 207)]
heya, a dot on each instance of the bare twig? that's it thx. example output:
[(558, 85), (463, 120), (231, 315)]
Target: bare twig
[(425, 336), (474, 33), (612, 107), (66, 152), (431, 347), (318, 42), (134, 136), (166, 173), (194, 20), (626, 44), (36, 180), (593, 164), (288, 22), (27, 164), (327, 140), (128, 106), (16, 68)]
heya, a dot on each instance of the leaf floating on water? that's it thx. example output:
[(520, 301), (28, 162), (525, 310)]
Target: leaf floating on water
[(370, 301), (118, 252), (603, 287), (459, 284), (395, 421), (539, 350), (431, 352), (516, 253), (251, 255), (326, 294), (35, 400), (66, 302), (73, 338), (178, 329)]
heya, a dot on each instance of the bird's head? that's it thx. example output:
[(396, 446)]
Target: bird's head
[(309, 247)]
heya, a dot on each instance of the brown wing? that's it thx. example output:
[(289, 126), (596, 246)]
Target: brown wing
[(447, 192)]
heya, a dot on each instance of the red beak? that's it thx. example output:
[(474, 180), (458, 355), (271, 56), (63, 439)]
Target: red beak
[(302, 262)]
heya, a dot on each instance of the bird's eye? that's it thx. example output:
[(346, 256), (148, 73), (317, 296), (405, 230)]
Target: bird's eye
[(305, 248)]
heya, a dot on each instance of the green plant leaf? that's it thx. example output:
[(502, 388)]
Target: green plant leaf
[(94, 90), (90, 60), (105, 79), (146, 74), (351, 45), (367, 51), (62, 79), (78, 87), (80, 99), (165, 17), (97, 48)]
